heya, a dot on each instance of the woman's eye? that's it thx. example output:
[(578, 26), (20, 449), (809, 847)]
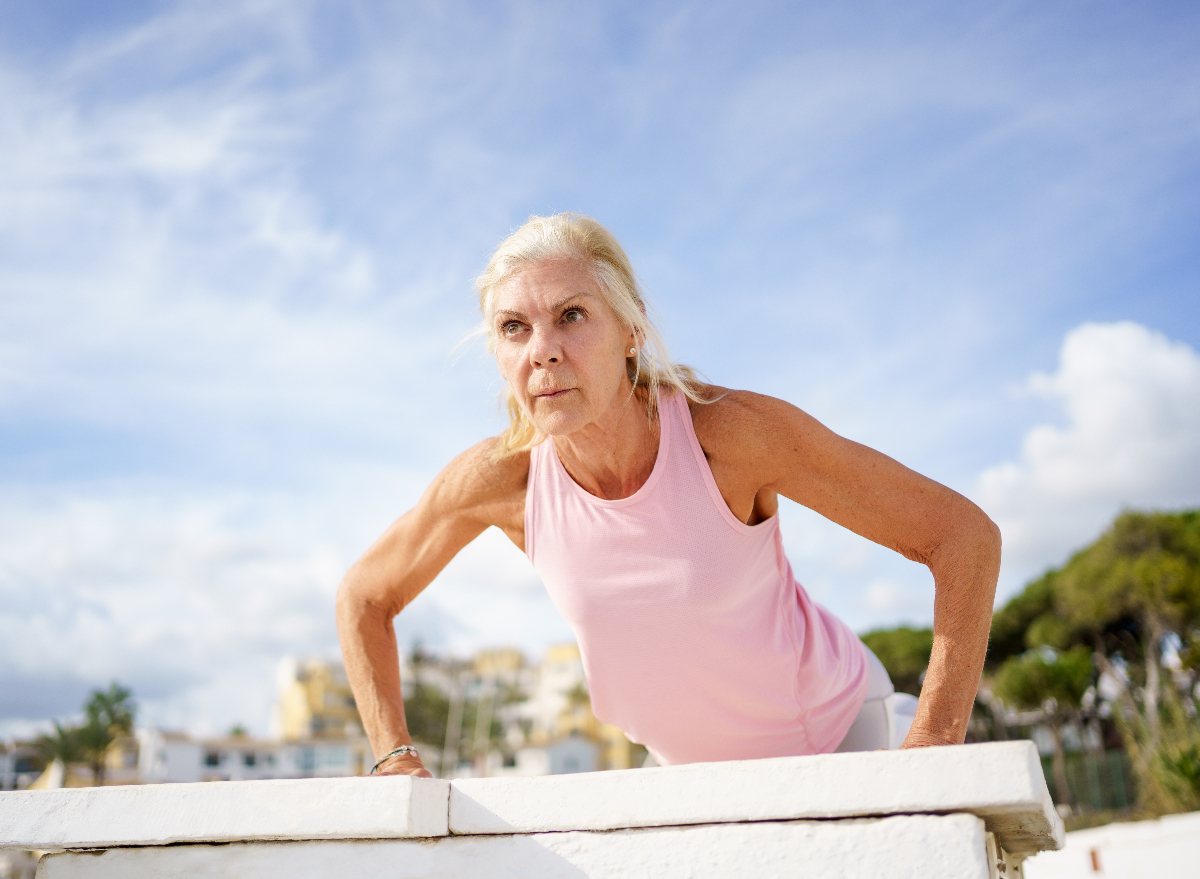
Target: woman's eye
[(510, 328), (573, 315)]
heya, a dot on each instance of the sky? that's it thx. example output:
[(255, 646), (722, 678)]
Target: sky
[(237, 244)]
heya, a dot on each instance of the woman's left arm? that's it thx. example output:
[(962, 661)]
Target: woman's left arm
[(763, 447)]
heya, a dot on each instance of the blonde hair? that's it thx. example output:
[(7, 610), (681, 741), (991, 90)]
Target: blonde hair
[(571, 236)]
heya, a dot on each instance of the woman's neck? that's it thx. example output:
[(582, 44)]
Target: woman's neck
[(612, 458)]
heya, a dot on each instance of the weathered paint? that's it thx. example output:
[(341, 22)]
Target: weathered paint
[(1000, 782), (925, 813), (904, 847), (159, 814)]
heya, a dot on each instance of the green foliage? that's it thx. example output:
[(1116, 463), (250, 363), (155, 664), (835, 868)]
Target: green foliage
[(1189, 653), (1117, 599), (1051, 630), (63, 745), (1143, 571), (427, 710), (1167, 765), (1178, 771), (1033, 678), (1011, 624), (904, 652), (109, 714), (1055, 682), (578, 695), (111, 709)]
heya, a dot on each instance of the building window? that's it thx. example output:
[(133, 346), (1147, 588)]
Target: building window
[(308, 759), (249, 759), (335, 757), (212, 758)]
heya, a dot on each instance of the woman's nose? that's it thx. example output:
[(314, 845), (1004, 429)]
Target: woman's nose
[(545, 349)]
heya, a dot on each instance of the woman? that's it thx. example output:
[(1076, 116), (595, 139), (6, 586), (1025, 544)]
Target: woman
[(647, 502)]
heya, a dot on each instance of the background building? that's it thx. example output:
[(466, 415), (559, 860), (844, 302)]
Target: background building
[(495, 714)]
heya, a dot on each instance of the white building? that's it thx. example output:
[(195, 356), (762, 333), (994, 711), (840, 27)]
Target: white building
[(171, 756)]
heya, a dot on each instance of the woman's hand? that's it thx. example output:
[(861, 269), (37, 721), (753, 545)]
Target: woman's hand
[(404, 764)]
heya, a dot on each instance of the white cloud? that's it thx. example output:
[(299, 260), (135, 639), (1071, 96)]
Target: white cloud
[(193, 599), (1131, 437)]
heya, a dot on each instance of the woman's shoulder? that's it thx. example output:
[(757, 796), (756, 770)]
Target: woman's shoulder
[(730, 418), (480, 474)]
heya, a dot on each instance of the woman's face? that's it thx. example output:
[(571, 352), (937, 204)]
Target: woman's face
[(560, 347)]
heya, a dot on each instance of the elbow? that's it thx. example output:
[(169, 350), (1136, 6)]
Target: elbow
[(982, 545), (970, 539), (348, 603), (989, 538), (355, 602)]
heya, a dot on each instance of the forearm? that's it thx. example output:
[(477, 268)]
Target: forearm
[(965, 571), (373, 666)]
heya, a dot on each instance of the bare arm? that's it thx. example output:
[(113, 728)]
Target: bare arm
[(760, 447), (471, 494)]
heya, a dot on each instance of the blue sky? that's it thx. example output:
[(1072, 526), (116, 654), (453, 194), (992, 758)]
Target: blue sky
[(237, 243)]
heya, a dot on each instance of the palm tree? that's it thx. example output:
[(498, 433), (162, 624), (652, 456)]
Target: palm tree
[(62, 745), (112, 709), (109, 715)]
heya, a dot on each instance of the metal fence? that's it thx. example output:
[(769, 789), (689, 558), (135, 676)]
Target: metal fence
[(1097, 780)]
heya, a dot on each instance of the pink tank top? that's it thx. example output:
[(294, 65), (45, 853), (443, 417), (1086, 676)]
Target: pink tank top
[(696, 639)]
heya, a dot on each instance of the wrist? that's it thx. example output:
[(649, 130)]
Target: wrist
[(925, 738), (408, 751)]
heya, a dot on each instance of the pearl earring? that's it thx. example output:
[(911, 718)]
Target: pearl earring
[(633, 350)]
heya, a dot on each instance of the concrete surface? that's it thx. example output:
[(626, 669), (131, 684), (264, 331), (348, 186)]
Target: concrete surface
[(1001, 782), (1168, 848), (908, 847), (159, 814), (930, 813)]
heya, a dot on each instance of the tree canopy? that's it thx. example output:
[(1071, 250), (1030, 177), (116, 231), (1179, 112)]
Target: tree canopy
[(1137, 583), (1114, 609), (1033, 678), (904, 652)]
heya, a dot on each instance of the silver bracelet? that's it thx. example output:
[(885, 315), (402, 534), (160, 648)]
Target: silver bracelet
[(403, 749)]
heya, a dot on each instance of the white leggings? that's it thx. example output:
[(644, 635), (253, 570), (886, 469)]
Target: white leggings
[(885, 717)]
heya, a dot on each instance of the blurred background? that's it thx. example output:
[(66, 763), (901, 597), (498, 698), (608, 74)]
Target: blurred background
[(237, 241)]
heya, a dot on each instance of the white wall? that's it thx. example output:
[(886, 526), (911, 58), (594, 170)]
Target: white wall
[(905, 847), (1168, 848)]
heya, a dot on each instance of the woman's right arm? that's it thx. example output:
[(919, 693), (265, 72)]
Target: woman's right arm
[(471, 494)]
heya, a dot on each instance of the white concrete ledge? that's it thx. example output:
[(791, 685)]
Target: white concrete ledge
[(161, 814), (908, 847), (1000, 782)]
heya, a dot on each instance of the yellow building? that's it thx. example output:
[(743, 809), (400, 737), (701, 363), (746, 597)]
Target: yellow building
[(314, 701), (576, 716), (499, 662)]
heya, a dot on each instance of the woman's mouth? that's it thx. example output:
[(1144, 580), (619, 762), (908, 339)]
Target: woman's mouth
[(552, 395)]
